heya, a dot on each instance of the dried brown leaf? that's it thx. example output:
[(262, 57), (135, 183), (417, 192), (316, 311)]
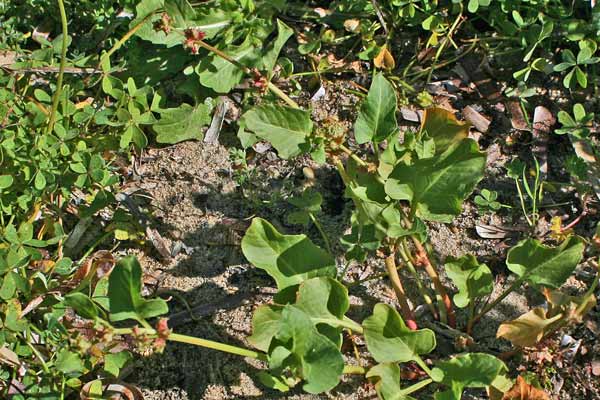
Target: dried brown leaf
[(524, 391), (384, 60), (528, 329)]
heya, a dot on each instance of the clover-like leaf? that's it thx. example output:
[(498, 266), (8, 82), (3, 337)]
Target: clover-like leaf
[(284, 127), (471, 370), (289, 259), (542, 265), (436, 187), (389, 340), (125, 293), (387, 381), (472, 279), (182, 123), (377, 116), (442, 126)]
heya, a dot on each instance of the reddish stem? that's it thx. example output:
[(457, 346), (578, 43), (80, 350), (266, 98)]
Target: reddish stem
[(405, 310), (423, 259)]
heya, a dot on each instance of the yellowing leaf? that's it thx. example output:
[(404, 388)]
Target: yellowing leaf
[(571, 307), (443, 127), (384, 60), (524, 391), (528, 329)]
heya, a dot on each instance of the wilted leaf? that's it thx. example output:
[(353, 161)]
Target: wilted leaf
[(528, 329), (289, 259), (377, 116), (541, 265), (442, 126), (572, 307), (389, 340), (125, 293), (384, 60), (284, 127), (436, 187), (472, 279), (524, 391)]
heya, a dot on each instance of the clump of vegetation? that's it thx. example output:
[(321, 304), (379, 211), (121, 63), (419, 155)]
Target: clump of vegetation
[(85, 88)]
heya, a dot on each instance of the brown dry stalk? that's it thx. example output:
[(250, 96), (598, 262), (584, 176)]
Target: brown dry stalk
[(405, 310)]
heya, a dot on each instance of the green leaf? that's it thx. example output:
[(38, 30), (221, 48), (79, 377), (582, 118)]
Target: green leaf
[(265, 325), (472, 370), (377, 117), (325, 301), (318, 358), (124, 293), (269, 58), (182, 123), (309, 200), (82, 305), (69, 362), (113, 362), (436, 187), (472, 279), (387, 381), (542, 265), (219, 74), (389, 340), (442, 126), (5, 181), (289, 259), (284, 127)]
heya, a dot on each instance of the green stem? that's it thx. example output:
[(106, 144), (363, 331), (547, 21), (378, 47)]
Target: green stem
[(497, 300), (281, 94), (321, 231), (175, 337), (61, 70), (209, 344), (415, 387), (422, 364), (352, 155), (522, 199)]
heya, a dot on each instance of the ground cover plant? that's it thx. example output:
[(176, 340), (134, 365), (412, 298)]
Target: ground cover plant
[(89, 90)]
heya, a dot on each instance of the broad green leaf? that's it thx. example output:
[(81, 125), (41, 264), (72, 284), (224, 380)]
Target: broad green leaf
[(325, 301), (389, 340), (436, 187), (542, 265), (377, 116), (289, 259), (69, 362), (387, 381), (124, 293), (472, 279), (471, 370), (318, 358), (442, 126), (269, 58), (182, 123), (211, 22), (284, 127), (82, 305), (221, 75), (265, 325), (273, 382), (113, 362)]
